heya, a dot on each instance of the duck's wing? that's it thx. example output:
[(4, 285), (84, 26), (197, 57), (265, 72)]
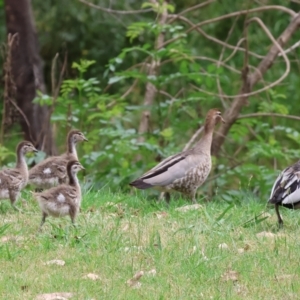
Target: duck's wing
[(167, 171), (62, 194), (11, 178), (54, 166), (286, 189)]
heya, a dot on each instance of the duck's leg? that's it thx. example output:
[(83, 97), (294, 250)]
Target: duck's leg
[(44, 216), (280, 221), (193, 196), (167, 197), (73, 213), (13, 196)]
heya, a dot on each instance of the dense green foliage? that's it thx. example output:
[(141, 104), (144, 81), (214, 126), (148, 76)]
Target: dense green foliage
[(109, 54)]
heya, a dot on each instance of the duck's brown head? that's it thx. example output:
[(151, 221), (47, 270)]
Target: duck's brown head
[(74, 166), (75, 136), (213, 117), (25, 147)]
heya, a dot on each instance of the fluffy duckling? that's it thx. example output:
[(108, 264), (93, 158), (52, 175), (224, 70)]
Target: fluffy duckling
[(12, 181), (64, 199), (286, 190), (52, 171), (186, 171)]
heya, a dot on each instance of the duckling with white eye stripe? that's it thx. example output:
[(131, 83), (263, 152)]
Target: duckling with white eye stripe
[(12, 181), (53, 170), (64, 199)]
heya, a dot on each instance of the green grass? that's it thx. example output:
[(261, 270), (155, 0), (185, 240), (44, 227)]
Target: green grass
[(119, 235)]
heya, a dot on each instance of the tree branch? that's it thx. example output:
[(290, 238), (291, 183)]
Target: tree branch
[(234, 14), (193, 8), (233, 112), (153, 69), (256, 115), (248, 11), (112, 11), (193, 138)]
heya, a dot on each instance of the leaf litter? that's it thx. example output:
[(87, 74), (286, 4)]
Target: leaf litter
[(134, 281), (186, 208), (54, 296), (57, 262)]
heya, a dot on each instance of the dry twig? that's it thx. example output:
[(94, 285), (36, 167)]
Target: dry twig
[(153, 69), (113, 11), (233, 112)]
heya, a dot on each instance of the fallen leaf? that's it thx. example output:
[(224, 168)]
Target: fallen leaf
[(203, 254), (151, 272), (91, 276), (189, 207), (91, 209), (194, 249), (134, 281), (125, 227), (265, 215), (161, 214), (240, 289), (112, 215), (13, 238), (285, 277), (110, 204), (54, 296), (135, 248), (230, 275), (58, 262), (223, 246), (244, 249), (265, 234)]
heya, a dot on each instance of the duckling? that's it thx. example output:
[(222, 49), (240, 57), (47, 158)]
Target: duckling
[(12, 181), (186, 171), (52, 171), (286, 190), (64, 199)]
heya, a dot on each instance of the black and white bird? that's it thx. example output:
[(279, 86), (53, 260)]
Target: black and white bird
[(286, 190)]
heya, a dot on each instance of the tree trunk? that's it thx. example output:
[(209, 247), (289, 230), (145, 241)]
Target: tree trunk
[(27, 75), (153, 69)]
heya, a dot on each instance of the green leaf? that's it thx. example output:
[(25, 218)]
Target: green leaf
[(209, 82), (170, 8), (167, 133), (115, 79), (183, 67)]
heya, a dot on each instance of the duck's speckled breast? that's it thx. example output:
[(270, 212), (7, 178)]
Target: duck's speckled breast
[(193, 178)]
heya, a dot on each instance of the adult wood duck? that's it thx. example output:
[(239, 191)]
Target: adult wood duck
[(186, 171)]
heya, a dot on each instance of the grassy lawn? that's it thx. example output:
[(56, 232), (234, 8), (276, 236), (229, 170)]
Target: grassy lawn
[(208, 253)]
